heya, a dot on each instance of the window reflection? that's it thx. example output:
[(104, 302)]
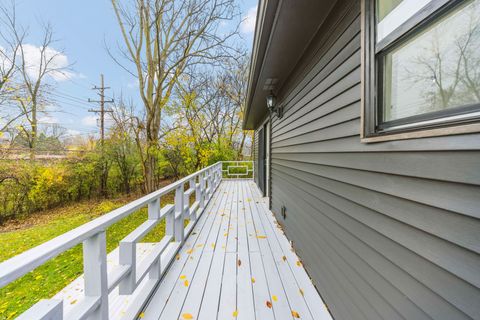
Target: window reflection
[(436, 70)]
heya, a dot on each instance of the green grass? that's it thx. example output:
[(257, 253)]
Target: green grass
[(50, 278)]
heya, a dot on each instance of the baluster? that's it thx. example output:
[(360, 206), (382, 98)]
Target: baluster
[(95, 270), (179, 221), (154, 214)]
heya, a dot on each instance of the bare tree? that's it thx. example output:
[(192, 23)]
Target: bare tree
[(11, 35), (34, 88), (162, 39)]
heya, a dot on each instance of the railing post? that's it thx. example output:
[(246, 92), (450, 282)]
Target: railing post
[(128, 257), (210, 184), (95, 270), (197, 196), (179, 221), (186, 206), (202, 190), (220, 172), (154, 208)]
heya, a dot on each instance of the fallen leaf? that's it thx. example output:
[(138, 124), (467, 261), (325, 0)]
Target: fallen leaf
[(261, 237), (235, 313), (74, 301), (177, 257), (274, 298), (200, 245), (141, 315), (187, 316), (269, 304), (183, 277), (301, 292), (239, 262), (213, 245), (299, 263), (284, 258), (186, 283), (253, 280), (295, 314), (190, 251)]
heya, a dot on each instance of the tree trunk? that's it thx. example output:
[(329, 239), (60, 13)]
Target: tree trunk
[(33, 140)]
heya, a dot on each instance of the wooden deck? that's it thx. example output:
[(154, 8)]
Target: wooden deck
[(236, 264)]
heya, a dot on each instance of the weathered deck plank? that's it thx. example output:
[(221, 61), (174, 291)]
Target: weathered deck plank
[(238, 264)]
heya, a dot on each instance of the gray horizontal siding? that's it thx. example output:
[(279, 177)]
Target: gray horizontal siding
[(255, 155), (387, 230)]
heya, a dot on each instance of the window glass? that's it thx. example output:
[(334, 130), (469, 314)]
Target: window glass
[(438, 69), (393, 13)]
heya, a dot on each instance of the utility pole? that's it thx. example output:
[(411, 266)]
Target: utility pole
[(102, 111)]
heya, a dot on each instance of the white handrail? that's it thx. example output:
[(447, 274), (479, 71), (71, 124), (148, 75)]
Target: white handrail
[(97, 282)]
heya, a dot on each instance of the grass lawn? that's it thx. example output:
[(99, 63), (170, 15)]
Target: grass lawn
[(50, 278)]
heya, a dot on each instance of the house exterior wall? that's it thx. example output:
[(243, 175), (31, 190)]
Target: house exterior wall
[(387, 230), (255, 156)]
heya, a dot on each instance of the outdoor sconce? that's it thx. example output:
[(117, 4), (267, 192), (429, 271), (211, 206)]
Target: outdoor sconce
[(272, 105)]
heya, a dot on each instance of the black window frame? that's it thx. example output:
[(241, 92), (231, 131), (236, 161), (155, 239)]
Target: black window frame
[(373, 75)]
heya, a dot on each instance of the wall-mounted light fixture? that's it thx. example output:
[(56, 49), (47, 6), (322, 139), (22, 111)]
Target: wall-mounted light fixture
[(272, 105)]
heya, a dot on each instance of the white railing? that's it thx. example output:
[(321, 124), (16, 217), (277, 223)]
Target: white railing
[(237, 169), (128, 274)]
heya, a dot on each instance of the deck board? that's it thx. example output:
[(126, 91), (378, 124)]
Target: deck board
[(236, 260)]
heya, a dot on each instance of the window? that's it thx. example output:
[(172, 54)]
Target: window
[(421, 67)]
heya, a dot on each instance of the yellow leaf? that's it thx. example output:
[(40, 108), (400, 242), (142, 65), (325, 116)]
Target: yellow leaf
[(213, 245), (190, 251), (187, 316), (295, 314), (274, 298), (301, 292), (235, 313), (253, 280), (183, 277), (284, 258), (177, 257), (261, 237), (299, 263), (186, 283), (38, 277), (141, 315), (74, 301)]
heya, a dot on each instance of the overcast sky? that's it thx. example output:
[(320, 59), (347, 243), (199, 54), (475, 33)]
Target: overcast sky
[(82, 27)]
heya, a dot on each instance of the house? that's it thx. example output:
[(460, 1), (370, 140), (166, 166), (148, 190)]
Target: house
[(367, 144)]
